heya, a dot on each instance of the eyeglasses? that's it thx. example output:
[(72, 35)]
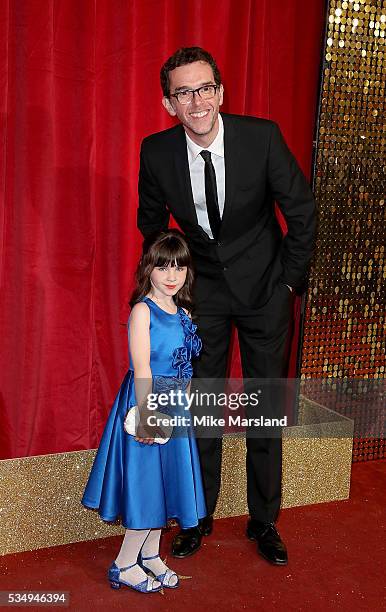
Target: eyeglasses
[(206, 92)]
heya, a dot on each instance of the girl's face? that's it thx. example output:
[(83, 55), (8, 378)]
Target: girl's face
[(167, 280)]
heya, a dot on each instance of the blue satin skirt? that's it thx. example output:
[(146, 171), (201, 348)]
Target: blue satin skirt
[(144, 485)]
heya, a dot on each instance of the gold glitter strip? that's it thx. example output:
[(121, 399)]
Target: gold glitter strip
[(40, 496)]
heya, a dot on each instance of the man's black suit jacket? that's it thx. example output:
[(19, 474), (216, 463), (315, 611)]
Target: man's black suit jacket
[(251, 252)]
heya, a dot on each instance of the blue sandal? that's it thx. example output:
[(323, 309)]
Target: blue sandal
[(147, 586), (164, 578)]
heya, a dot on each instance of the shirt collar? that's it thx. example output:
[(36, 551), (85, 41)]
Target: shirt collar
[(217, 146)]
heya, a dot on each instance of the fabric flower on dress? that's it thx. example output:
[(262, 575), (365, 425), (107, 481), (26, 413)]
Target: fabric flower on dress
[(181, 361), (192, 341), (192, 346)]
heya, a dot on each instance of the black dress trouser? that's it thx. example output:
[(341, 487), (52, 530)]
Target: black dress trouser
[(262, 334)]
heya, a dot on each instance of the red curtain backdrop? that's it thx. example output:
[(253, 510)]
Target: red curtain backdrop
[(79, 90)]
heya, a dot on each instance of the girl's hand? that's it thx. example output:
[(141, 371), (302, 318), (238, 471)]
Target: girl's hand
[(147, 433), (145, 440)]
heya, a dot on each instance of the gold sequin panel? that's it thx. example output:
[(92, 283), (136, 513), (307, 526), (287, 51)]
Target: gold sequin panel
[(344, 332)]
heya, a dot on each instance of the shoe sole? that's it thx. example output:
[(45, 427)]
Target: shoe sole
[(117, 585), (189, 554), (270, 560)]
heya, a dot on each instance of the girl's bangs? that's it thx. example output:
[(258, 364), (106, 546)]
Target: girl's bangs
[(171, 252)]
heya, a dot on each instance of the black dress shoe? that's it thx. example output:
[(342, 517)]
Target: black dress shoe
[(205, 525), (186, 542), (269, 543)]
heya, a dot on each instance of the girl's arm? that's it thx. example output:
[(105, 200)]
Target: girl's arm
[(139, 338)]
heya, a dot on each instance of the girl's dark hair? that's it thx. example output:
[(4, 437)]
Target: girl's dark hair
[(158, 250), (183, 56)]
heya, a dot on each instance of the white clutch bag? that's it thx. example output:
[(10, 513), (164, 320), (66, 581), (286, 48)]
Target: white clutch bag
[(132, 420)]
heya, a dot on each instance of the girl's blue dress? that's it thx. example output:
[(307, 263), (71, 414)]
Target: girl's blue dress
[(145, 485)]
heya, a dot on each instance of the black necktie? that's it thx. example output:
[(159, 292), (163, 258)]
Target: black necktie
[(211, 194)]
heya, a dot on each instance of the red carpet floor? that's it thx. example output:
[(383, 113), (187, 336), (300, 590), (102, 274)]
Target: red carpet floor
[(337, 559)]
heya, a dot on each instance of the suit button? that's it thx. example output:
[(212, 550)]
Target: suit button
[(225, 268), (219, 243)]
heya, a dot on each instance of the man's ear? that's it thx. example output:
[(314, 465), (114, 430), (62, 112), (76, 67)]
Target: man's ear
[(167, 104), (221, 94)]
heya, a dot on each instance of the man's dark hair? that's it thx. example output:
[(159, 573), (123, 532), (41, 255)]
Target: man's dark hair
[(183, 56)]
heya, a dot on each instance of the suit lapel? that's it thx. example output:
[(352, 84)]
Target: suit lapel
[(183, 175), (231, 153)]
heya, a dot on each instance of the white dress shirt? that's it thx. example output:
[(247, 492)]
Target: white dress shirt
[(197, 175)]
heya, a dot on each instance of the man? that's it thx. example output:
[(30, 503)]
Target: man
[(219, 175)]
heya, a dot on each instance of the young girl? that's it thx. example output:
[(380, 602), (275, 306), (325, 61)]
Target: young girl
[(143, 482)]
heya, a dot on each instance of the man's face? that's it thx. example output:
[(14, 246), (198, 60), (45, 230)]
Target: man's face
[(199, 117)]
